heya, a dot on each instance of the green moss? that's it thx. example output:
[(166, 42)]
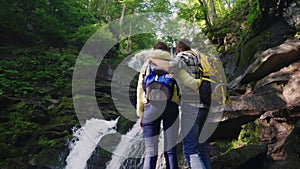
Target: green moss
[(21, 136), (35, 72), (50, 157), (223, 146), (248, 135), (249, 49), (297, 35), (254, 13)]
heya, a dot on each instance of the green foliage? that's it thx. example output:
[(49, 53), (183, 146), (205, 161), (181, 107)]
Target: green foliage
[(24, 135), (18, 125), (236, 24), (253, 13), (53, 21), (44, 141), (221, 8), (128, 46), (190, 11), (249, 134), (297, 35), (224, 146), (84, 33), (134, 43), (28, 72)]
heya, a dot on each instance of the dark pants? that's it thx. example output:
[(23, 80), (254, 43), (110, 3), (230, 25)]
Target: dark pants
[(192, 121), (153, 115)]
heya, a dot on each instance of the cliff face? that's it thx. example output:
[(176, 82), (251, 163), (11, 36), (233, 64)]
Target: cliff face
[(264, 79)]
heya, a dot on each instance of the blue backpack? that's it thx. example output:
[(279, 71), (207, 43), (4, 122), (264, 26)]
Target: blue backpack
[(158, 84)]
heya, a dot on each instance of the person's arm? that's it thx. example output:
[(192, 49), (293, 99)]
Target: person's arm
[(140, 92), (182, 75), (164, 64), (141, 122), (187, 80)]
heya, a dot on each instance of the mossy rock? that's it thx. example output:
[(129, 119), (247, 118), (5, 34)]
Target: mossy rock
[(124, 125), (6, 101), (50, 158)]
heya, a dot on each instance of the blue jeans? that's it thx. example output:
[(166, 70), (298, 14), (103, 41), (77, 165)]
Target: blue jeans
[(153, 115), (192, 121)]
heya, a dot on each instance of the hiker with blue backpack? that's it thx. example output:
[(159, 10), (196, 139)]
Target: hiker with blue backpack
[(194, 107), (157, 100)]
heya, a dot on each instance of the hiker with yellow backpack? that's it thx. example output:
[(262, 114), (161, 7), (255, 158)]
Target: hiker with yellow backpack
[(195, 105), (157, 101)]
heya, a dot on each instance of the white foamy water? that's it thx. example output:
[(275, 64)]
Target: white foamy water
[(131, 146), (87, 139), (137, 61)]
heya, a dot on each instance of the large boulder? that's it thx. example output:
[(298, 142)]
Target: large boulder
[(269, 61), (292, 147), (248, 157)]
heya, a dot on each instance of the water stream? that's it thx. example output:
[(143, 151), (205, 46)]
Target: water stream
[(128, 154), (86, 140), (129, 150)]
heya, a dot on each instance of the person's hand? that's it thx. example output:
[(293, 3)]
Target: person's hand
[(199, 81), (141, 122), (149, 58)]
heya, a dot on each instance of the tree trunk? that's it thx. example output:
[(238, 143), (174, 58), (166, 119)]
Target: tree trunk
[(213, 13), (228, 4), (122, 15), (205, 14)]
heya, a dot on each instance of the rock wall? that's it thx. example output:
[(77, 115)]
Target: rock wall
[(264, 87)]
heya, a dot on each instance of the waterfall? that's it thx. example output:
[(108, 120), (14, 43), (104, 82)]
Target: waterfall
[(129, 150), (86, 140), (137, 61), (129, 153)]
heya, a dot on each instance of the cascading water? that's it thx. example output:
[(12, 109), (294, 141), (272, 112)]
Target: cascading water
[(128, 154), (137, 61), (86, 140), (130, 151), (131, 145)]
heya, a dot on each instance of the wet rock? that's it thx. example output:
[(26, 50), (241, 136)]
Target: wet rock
[(291, 90), (270, 61), (39, 115), (6, 101), (248, 157), (292, 14), (59, 127), (292, 147), (105, 72), (273, 131)]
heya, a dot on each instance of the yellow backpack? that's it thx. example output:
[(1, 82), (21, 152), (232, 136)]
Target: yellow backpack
[(212, 67)]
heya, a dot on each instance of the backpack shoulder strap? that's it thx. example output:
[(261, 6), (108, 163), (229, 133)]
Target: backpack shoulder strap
[(147, 70), (145, 76), (193, 53)]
